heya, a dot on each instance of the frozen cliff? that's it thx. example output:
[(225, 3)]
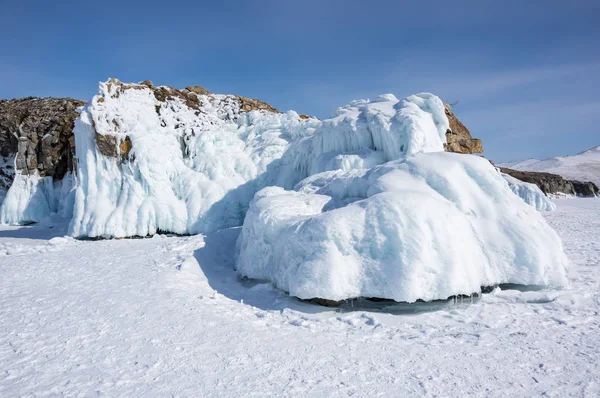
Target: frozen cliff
[(158, 159)]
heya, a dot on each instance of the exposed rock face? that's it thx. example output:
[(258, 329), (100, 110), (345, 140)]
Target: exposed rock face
[(249, 104), (585, 188), (458, 138), (553, 183), (40, 132)]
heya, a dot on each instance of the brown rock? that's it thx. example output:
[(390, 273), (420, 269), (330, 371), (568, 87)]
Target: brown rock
[(125, 146), (197, 89), (39, 131), (107, 145), (553, 183), (458, 137), (249, 104)]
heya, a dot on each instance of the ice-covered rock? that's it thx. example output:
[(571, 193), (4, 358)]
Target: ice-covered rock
[(530, 193), (37, 149), (427, 226), (158, 159)]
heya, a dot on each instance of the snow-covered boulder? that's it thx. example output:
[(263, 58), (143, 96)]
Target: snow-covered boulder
[(530, 193), (155, 158), (426, 226)]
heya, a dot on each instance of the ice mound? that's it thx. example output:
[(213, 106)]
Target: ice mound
[(178, 164), (369, 132), (530, 193), (33, 198), (427, 227)]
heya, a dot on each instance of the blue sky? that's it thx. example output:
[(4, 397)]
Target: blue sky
[(525, 73)]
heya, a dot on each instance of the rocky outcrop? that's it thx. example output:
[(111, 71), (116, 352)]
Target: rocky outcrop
[(39, 131), (194, 97), (587, 189), (190, 95), (458, 137), (249, 104), (553, 183)]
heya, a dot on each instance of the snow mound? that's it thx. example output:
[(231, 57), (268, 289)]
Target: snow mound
[(427, 227), (188, 168), (530, 193)]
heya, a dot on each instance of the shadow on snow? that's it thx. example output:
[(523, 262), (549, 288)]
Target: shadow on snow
[(216, 260)]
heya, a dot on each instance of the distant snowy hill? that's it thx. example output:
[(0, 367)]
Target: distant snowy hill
[(584, 166)]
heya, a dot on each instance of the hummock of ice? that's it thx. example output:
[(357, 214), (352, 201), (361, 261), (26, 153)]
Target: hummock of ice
[(427, 226), (530, 193), (366, 133), (189, 171)]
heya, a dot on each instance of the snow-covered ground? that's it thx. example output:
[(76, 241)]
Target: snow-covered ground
[(584, 166), (167, 316)]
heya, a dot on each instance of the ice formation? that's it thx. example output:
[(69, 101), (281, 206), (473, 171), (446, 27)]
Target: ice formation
[(33, 198), (366, 203), (189, 170), (366, 133), (530, 193), (383, 212), (7, 175), (427, 226)]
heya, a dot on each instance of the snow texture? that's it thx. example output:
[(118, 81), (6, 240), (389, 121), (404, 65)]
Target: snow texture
[(426, 227), (584, 166), (530, 193), (169, 317), (189, 171)]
